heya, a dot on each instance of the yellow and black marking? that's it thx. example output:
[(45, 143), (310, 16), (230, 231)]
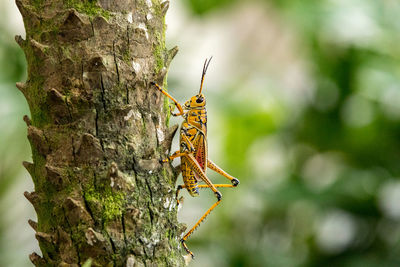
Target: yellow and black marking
[(194, 151)]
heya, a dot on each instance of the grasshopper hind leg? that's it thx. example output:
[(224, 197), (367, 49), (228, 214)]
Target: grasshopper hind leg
[(235, 182), (183, 240)]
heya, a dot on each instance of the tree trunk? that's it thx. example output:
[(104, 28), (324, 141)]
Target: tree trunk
[(97, 132)]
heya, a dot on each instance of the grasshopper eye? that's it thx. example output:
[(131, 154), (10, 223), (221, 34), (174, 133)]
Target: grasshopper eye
[(199, 100)]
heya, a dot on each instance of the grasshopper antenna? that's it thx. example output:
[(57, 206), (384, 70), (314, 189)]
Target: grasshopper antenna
[(205, 67)]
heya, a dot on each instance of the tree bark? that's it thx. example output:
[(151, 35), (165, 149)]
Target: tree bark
[(97, 132)]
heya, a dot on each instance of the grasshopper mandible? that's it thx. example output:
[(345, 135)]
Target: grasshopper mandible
[(193, 151)]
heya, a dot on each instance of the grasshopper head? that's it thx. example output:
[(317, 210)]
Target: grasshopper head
[(196, 101)]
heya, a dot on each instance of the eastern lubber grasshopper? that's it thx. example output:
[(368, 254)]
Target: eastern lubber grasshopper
[(193, 150)]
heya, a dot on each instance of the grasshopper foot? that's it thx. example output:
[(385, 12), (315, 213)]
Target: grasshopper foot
[(186, 248), (218, 195), (171, 111), (161, 160), (235, 182), (179, 201)]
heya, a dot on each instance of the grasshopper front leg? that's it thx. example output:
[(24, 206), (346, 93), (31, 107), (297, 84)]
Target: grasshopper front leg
[(170, 97), (174, 155)]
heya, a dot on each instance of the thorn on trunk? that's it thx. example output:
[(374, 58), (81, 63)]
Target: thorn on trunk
[(39, 48), (54, 176), (27, 120), (22, 6), (37, 138), (21, 87), (171, 54), (93, 237), (76, 212), (164, 7), (33, 224), (33, 197), (56, 95), (44, 237), (20, 41), (29, 166), (171, 131), (36, 259), (76, 27)]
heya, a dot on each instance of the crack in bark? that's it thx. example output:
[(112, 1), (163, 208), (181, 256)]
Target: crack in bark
[(136, 174), (110, 239), (123, 229), (73, 149), (46, 140), (115, 62), (97, 130), (103, 93), (127, 34), (151, 215), (94, 180), (69, 109), (101, 144), (87, 207), (82, 72), (144, 250), (127, 94), (150, 191), (97, 122), (113, 248), (91, 23)]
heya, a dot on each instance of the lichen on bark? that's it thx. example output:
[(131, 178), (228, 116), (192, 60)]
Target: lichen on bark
[(97, 132)]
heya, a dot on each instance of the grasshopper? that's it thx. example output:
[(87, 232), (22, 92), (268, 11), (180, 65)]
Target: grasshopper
[(194, 151)]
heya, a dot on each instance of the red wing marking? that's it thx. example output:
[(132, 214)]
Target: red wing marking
[(201, 152)]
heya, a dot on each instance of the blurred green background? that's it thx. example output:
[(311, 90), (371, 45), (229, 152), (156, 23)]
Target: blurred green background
[(304, 108)]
